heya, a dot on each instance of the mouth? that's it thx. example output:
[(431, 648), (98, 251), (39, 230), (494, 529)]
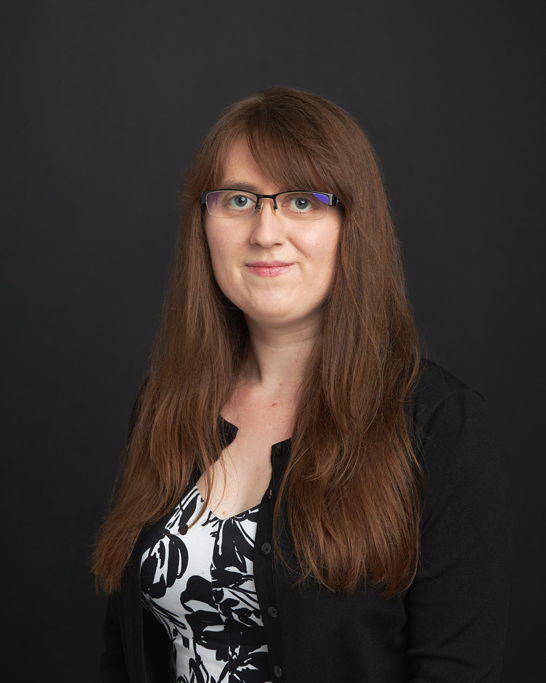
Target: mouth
[(268, 268)]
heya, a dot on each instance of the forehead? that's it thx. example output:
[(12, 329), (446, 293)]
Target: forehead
[(242, 171), (271, 164)]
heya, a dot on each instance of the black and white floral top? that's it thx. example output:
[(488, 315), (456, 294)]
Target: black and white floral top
[(199, 583)]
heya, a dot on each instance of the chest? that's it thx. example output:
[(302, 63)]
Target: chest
[(241, 476)]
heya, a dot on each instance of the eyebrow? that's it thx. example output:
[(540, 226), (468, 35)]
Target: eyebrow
[(249, 187), (237, 185)]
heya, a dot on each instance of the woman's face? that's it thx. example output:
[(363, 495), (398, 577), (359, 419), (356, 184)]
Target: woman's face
[(277, 270)]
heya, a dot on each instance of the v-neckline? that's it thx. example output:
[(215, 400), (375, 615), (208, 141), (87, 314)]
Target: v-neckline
[(230, 430), (224, 519)]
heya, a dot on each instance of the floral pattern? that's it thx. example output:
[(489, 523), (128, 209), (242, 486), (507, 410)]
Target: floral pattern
[(199, 584)]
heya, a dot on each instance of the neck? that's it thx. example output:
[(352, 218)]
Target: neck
[(278, 356)]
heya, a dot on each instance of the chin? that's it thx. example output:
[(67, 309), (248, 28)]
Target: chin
[(284, 317), (269, 316)]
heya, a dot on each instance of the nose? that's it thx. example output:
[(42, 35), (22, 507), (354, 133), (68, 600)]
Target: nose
[(269, 226)]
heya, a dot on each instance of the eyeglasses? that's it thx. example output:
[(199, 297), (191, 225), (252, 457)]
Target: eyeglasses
[(241, 204)]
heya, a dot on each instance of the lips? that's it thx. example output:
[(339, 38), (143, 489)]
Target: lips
[(268, 268)]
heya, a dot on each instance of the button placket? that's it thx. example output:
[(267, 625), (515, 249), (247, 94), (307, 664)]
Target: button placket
[(264, 557)]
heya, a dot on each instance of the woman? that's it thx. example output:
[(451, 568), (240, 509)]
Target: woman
[(304, 499)]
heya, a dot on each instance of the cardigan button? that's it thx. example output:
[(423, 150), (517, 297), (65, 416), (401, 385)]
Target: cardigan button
[(272, 612), (266, 548), (277, 671)]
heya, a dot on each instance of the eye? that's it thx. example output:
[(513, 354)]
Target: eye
[(304, 205), (300, 203), (238, 201)]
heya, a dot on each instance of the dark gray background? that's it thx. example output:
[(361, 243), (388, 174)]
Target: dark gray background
[(103, 103)]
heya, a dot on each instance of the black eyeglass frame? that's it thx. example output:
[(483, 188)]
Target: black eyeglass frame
[(333, 200)]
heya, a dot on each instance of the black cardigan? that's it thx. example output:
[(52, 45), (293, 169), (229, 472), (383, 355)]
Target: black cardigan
[(448, 628)]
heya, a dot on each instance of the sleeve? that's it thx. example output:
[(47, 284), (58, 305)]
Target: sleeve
[(458, 603), (113, 667)]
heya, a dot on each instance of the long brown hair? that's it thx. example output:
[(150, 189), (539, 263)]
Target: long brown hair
[(350, 494)]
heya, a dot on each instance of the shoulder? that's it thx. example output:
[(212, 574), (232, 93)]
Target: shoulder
[(437, 388), (454, 438), (446, 412), (452, 428)]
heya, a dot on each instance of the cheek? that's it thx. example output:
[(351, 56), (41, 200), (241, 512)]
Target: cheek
[(223, 251), (215, 251), (321, 249), (223, 243), (216, 242), (328, 259), (333, 242)]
